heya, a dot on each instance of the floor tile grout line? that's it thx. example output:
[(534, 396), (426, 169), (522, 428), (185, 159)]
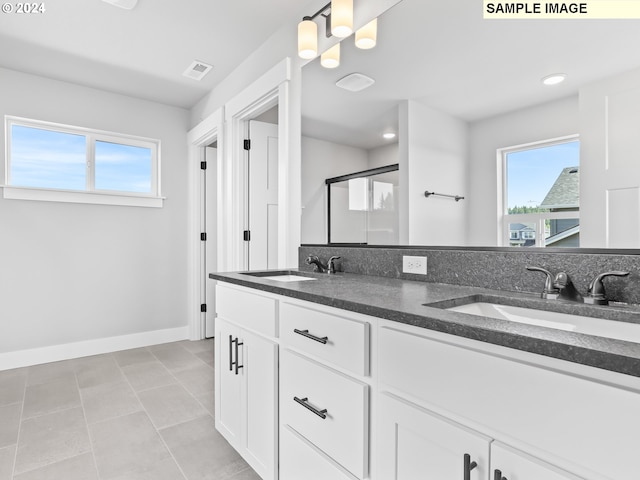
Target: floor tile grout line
[(111, 355), (24, 396), (86, 424), (149, 417), (182, 384)]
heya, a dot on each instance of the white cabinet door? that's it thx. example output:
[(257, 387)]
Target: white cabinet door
[(228, 383), (415, 444), (510, 464), (260, 401), (246, 395)]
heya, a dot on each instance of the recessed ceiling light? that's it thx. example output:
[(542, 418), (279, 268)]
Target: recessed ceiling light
[(355, 82), (197, 70), (554, 78), (389, 135)]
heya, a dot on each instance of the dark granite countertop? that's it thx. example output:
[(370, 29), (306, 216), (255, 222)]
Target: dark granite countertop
[(403, 301)]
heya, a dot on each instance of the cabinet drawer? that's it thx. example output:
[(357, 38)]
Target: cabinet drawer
[(345, 341), (343, 433), (300, 460), (576, 423), (249, 310)]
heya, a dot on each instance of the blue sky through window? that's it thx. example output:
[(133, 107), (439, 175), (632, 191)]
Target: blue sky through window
[(58, 160), (123, 168), (532, 173), (47, 159)]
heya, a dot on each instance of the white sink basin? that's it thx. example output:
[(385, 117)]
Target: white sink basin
[(288, 278), (560, 321)]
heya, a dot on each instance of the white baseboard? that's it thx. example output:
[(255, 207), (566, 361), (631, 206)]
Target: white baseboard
[(55, 353)]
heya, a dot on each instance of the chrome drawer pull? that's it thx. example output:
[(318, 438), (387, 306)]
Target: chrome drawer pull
[(303, 402), (305, 333)]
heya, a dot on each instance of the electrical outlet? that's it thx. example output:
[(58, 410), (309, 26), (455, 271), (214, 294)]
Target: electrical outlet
[(416, 265)]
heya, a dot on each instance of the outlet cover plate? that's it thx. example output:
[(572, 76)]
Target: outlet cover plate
[(415, 265)]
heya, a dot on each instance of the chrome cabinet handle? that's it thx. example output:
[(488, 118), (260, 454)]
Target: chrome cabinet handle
[(468, 466), (305, 333), (303, 401), (497, 475), (230, 353)]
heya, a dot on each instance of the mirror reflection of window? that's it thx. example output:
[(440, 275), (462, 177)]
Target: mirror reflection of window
[(362, 207), (542, 194), (383, 196), (359, 194)]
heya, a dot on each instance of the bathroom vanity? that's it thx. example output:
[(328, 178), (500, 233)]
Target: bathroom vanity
[(352, 376)]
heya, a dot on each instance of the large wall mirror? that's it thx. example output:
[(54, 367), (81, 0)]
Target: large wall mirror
[(455, 89)]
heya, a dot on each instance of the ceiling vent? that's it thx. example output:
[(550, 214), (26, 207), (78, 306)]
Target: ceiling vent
[(197, 70), (126, 4), (355, 82)]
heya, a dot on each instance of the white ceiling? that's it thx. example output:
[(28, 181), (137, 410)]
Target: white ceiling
[(141, 52), (439, 52), (443, 54)]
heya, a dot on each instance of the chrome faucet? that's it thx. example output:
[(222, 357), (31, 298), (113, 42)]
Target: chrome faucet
[(596, 294), (550, 291), (331, 264), (562, 287), (318, 265), (566, 288)]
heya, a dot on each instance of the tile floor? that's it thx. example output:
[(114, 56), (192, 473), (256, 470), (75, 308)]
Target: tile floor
[(142, 414)]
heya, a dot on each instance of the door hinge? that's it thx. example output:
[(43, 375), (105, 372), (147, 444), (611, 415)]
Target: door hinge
[(203, 165), (247, 144), (247, 235), (203, 237), (203, 307)]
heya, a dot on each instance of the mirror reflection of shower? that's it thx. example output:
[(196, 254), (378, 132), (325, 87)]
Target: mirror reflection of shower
[(363, 207)]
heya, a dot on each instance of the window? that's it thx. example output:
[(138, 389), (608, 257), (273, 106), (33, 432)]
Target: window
[(541, 194), (46, 161)]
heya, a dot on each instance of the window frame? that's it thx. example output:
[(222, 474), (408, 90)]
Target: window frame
[(90, 194), (538, 219)]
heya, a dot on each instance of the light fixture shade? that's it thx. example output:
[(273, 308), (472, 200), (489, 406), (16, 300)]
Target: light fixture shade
[(341, 18), (331, 58), (367, 35), (307, 39)]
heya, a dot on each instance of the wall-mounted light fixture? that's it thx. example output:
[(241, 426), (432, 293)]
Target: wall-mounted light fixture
[(331, 57), (338, 16), (366, 36)]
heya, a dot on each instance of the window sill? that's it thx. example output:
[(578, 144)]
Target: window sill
[(67, 196)]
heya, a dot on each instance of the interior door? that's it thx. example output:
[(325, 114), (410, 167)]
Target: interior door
[(263, 195), (610, 163), (209, 226)]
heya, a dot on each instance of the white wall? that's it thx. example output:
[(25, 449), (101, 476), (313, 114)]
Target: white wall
[(77, 272), (433, 156), (541, 122), (322, 160), (383, 156)]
